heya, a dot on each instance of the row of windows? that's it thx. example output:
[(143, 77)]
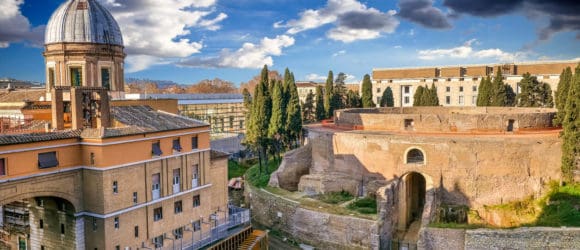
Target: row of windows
[(461, 100), (176, 146), (76, 77), (177, 208), (406, 89)]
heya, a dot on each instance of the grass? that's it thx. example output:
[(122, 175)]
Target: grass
[(257, 179), (335, 197), (364, 206), (456, 225), (236, 169), (561, 207)]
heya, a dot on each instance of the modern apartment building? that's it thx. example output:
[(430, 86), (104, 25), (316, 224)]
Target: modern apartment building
[(457, 85)]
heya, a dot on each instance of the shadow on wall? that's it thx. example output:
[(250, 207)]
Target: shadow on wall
[(454, 205)]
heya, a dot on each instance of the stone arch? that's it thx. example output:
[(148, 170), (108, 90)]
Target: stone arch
[(71, 198), (413, 187), (415, 155)]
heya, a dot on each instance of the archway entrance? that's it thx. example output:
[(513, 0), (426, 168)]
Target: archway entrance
[(411, 199), (37, 223)]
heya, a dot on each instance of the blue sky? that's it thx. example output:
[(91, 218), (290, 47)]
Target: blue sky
[(189, 40)]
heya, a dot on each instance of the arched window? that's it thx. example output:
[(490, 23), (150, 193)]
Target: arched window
[(415, 156)]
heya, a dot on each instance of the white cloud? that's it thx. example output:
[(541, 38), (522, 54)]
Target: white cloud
[(353, 21), (155, 30), (14, 27), (248, 56), (466, 51), (398, 47), (339, 53), (315, 77)]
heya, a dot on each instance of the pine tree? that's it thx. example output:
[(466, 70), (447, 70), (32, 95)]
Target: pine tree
[(484, 92), (367, 92), (257, 131), (308, 112), (534, 93), (340, 92), (571, 129), (562, 94), (320, 114), (418, 97), (294, 118), (328, 95), (277, 122), (498, 93), (387, 98)]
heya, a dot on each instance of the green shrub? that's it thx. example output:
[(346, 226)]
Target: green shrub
[(256, 179), (335, 197), (364, 206)]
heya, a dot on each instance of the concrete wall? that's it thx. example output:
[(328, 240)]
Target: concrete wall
[(323, 230), (520, 238)]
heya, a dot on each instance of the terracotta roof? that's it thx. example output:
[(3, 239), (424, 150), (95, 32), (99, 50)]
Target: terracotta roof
[(22, 95), (38, 137)]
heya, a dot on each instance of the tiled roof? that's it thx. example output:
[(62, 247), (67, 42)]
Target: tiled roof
[(22, 95), (8, 139)]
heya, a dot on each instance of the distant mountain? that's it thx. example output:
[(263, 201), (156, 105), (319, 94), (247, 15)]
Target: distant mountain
[(161, 84)]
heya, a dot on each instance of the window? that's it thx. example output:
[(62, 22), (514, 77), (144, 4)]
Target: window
[(447, 89), (61, 228), (408, 124), (241, 124), (474, 88), (117, 247), (39, 202), (231, 122), (41, 247), (473, 100), (92, 159), (115, 187), (178, 233), (176, 181), (136, 231), (407, 89), (177, 145), (195, 175), (448, 100), (116, 222), (196, 201), (510, 127), (155, 184), (41, 224), (378, 90), (177, 207), (156, 149), (158, 241), (407, 100), (76, 76), (135, 197), (47, 160), (51, 78), (105, 78), (62, 206), (194, 142), (461, 102), (157, 214), (460, 88), (196, 225), (415, 156), (2, 166)]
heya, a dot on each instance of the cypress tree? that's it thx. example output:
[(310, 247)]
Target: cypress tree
[(387, 98), (294, 118), (511, 96), (498, 93), (433, 98), (571, 129), (308, 114), (328, 95), (367, 92), (562, 94), (418, 96), (484, 92), (320, 114), (425, 97), (276, 125), (257, 131), (247, 105)]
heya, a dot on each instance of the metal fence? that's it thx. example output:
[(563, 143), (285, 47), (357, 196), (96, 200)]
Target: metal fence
[(220, 229)]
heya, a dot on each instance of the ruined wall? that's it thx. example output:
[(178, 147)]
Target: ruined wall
[(323, 230), (468, 170), (520, 238), (295, 164)]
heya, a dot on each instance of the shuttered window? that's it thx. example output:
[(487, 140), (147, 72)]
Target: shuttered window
[(156, 149), (47, 160)]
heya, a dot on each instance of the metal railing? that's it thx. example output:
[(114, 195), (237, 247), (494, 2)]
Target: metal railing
[(220, 229)]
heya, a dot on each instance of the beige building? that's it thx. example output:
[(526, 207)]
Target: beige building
[(107, 176), (304, 88), (457, 85)]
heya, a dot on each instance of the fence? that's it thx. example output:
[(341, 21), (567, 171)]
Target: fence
[(220, 229)]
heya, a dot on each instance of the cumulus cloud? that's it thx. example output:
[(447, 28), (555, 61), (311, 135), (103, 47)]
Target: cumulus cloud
[(466, 51), (423, 13), (252, 56), (14, 27), (315, 77), (154, 31), (352, 19)]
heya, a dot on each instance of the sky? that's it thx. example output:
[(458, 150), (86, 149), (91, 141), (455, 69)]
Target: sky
[(186, 41)]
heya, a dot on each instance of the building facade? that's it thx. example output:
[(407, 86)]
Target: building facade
[(105, 176), (458, 85)]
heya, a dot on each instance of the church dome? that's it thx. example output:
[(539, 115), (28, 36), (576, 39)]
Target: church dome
[(83, 21)]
